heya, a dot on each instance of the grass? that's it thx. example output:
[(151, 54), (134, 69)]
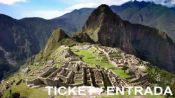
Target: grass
[(29, 92), (90, 57), (121, 73), (26, 92)]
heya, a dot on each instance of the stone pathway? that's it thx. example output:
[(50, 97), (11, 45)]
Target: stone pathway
[(108, 57)]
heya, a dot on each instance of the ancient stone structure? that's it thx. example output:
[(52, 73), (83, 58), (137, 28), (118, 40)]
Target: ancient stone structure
[(77, 74)]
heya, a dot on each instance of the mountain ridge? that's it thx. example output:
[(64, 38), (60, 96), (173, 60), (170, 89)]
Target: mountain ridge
[(22, 39), (137, 39)]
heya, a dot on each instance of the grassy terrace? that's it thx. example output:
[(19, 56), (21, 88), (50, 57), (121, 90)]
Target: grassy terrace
[(121, 73), (26, 92), (93, 57)]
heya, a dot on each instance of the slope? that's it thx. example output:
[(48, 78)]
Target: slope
[(106, 28)]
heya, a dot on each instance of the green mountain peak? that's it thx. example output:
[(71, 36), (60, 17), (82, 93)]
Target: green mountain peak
[(56, 36)]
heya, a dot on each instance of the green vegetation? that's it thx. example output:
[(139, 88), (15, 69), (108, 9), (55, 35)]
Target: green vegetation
[(91, 57), (162, 78), (29, 92), (94, 33), (121, 73), (47, 52), (26, 92)]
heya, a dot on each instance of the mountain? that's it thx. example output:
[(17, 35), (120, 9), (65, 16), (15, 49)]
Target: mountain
[(67, 62), (23, 38), (54, 39), (73, 21), (146, 13), (15, 42), (20, 39), (106, 28), (39, 28), (75, 64)]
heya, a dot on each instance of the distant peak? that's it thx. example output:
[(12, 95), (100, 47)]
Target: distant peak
[(104, 8), (100, 15)]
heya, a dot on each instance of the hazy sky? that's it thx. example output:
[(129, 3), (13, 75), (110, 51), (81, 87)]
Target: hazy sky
[(53, 8)]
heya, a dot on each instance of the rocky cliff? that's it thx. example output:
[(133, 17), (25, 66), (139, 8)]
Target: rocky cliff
[(107, 28), (57, 35)]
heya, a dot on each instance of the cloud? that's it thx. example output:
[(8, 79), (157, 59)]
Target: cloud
[(71, 5), (168, 3), (77, 4), (47, 14), (82, 5), (10, 2)]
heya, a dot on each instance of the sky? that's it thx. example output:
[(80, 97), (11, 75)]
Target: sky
[(49, 9)]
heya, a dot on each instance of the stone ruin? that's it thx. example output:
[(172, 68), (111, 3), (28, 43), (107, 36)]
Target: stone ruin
[(77, 74), (135, 67)]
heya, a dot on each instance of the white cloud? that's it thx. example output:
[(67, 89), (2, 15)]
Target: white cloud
[(77, 4), (74, 4), (168, 3), (10, 2), (47, 14), (82, 5)]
